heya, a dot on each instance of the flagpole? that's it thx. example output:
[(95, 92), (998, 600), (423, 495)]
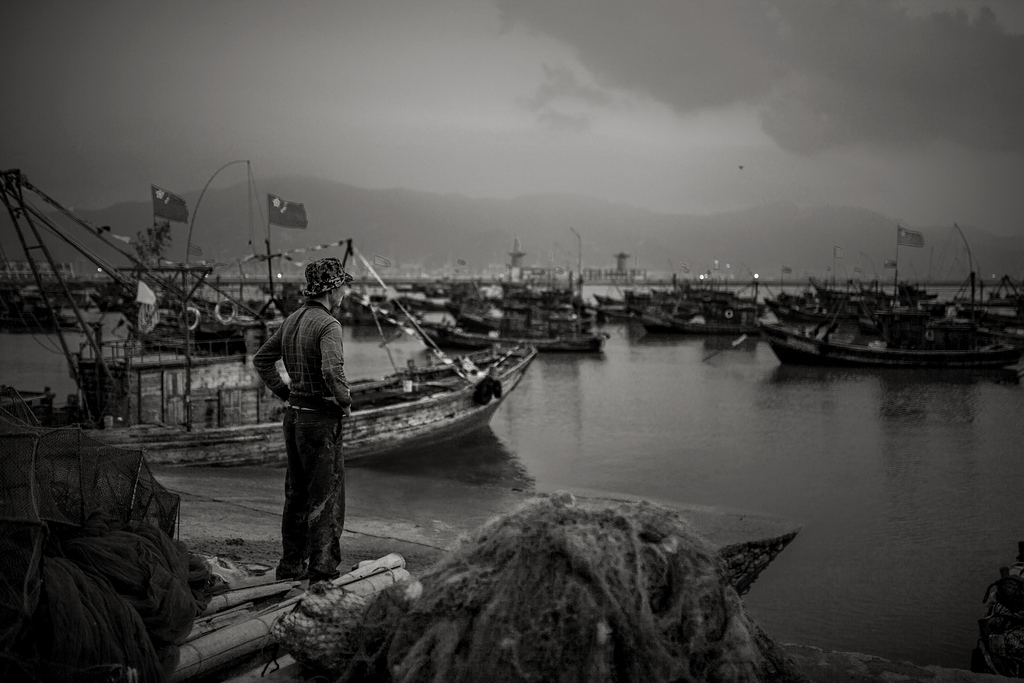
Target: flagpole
[(270, 270), (896, 270)]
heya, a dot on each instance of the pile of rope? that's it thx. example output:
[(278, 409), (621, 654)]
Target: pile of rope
[(115, 601), (559, 592)]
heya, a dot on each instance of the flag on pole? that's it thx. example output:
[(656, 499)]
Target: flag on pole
[(169, 205), (837, 252), (889, 263), (194, 250), (786, 270), (716, 264), (122, 238), (145, 295), (286, 214), (908, 238), (858, 269)]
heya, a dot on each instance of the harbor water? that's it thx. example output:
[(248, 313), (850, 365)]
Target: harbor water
[(907, 484)]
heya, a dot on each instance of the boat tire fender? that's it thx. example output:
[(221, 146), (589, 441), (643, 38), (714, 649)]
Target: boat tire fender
[(222, 317), (496, 388), (192, 317), (483, 392), (728, 314), (929, 335)]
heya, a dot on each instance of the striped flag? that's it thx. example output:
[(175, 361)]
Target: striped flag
[(889, 263), (786, 270), (194, 250), (837, 252)]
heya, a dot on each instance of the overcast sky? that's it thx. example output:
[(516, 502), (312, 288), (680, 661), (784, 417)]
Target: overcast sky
[(913, 108)]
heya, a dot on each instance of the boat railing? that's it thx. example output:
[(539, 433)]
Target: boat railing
[(121, 351)]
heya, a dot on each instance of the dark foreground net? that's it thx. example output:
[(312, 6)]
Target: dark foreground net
[(94, 586), (557, 592)]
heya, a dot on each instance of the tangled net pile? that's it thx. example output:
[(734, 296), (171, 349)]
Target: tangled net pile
[(93, 585), (559, 592)]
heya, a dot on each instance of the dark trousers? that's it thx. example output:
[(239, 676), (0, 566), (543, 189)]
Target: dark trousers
[(314, 494)]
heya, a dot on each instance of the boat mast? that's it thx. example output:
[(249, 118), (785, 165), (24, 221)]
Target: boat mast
[(896, 272), (579, 276), (970, 264), (11, 189)]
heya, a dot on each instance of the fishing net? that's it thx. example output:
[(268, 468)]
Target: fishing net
[(94, 586), (560, 592), (319, 632)]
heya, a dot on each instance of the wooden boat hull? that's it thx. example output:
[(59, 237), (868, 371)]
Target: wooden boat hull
[(793, 347), (659, 325), (443, 412), (455, 338)]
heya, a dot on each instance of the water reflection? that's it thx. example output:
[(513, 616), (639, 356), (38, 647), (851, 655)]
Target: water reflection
[(817, 374), (480, 458), (952, 396)]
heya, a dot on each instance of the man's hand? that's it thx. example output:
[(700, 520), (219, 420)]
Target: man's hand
[(346, 411)]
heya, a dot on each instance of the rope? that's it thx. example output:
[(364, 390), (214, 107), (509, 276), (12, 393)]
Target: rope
[(373, 309)]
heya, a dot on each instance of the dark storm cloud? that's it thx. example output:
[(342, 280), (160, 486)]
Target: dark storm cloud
[(824, 72)]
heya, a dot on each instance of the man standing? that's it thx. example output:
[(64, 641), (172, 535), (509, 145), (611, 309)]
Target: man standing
[(318, 399)]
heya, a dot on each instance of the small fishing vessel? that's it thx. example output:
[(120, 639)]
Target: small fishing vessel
[(237, 421), (705, 309), (185, 405), (552, 330), (907, 339)]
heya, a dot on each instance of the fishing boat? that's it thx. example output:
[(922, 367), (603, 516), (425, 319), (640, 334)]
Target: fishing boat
[(705, 310), (734, 319), (186, 406), (455, 337), (907, 339), (555, 329), (234, 420)]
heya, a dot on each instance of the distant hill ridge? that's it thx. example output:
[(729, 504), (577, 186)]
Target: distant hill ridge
[(434, 230)]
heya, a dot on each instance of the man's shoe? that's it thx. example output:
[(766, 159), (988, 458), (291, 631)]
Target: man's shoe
[(285, 573)]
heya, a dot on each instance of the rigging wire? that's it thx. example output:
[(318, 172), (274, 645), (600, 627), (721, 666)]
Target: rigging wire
[(423, 337), (380, 330)]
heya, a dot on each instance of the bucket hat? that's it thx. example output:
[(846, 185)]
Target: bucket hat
[(323, 275)]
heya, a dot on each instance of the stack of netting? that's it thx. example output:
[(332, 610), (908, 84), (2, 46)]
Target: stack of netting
[(553, 592), (94, 586)]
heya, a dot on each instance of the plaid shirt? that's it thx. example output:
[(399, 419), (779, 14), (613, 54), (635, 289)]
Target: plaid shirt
[(309, 341)]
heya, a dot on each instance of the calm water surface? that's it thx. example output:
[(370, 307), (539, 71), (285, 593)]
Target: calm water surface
[(907, 484)]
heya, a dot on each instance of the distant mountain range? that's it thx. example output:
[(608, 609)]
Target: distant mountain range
[(413, 229)]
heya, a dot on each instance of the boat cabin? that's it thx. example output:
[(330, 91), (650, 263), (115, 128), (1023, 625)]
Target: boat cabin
[(917, 329)]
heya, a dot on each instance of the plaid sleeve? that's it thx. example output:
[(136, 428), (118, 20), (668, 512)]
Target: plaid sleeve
[(265, 362), (332, 354)]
